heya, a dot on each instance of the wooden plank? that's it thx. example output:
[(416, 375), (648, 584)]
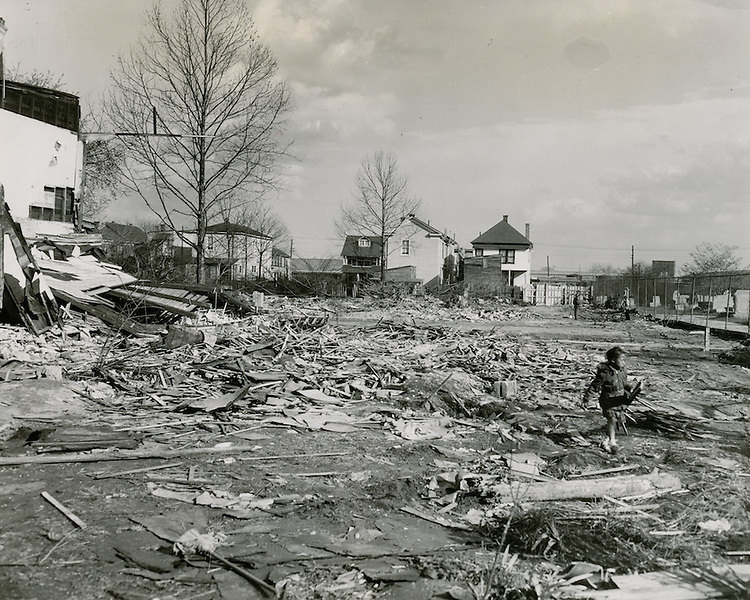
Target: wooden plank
[(144, 454), (110, 317), (162, 293), (614, 487), (604, 471), (68, 513), (172, 306), (134, 471)]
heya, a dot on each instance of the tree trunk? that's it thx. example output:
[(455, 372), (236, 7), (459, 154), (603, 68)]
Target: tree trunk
[(613, 487), (383, 251), (200, 247)]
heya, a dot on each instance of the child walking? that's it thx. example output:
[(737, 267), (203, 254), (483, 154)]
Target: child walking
[(613, 389)]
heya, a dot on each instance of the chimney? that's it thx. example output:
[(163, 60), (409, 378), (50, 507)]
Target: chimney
[(505, 218), (528, 231)]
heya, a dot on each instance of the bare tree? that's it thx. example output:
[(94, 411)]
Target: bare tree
[(639, 270), (264, 220), (201, 77), (380, 203), (604, 269), (102, 175), (712, 258), (45, 79)]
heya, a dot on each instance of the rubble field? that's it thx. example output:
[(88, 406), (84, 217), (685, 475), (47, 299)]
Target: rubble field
[(369, 449)]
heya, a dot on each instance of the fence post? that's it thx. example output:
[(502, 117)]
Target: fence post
[(692, 301), (678, 301), (729, 297), (637, 292), (665, 298), (707, 333)]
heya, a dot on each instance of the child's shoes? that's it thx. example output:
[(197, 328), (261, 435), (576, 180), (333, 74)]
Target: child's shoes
[(609, 446)]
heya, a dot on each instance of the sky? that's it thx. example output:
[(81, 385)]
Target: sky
[(604, 125)]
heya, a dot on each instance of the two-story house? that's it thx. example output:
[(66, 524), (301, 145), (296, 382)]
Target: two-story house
[(361, 257), (279, 263), (501, 258), (422, 249), (235, 252)]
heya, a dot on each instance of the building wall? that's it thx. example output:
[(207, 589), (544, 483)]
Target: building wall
[(488, 273), (426, 254), (520, 268), (34, 154)]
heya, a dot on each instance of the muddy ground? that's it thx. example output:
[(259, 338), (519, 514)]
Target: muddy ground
[(331, 523)]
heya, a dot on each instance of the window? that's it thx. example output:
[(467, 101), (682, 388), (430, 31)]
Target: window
[(56, 204), (405, 248), (508, 256), (362, 261), (364, 243), (479, 252)]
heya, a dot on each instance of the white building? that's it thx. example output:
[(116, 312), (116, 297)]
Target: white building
[(425, 248), (510, 249), (41, 158), (231, 252)]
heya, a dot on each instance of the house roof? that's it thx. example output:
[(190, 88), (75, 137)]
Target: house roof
[(431, 231), (161, 236), (53, 107), (122, 233), (235, 229), (352, 247), (279, 253), (315, 265), (502, 234)]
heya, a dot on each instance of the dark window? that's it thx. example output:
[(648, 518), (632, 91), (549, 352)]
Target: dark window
[(508, 256), (363, 261), (479, 252), (57, 204)]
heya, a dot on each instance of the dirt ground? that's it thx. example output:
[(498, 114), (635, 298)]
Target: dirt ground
[(398, 498)]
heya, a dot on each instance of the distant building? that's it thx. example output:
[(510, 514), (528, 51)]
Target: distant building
[(501, 259), (231, 252), (416, 252), (420, 252), (663, 268), (323, 276), (279, 263)]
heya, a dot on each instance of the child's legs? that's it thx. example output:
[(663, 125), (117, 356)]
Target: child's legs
[(611, 428)]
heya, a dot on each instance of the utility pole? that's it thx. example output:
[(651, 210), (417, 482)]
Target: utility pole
[(291, 256), (632, 270)]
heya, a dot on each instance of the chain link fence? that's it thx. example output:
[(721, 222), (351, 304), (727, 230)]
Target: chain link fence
[(718, 300)]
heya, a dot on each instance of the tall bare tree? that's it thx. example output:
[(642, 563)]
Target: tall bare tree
[(45, 79), (380, 202), (102, 174), (712, 258), (201, 77)]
